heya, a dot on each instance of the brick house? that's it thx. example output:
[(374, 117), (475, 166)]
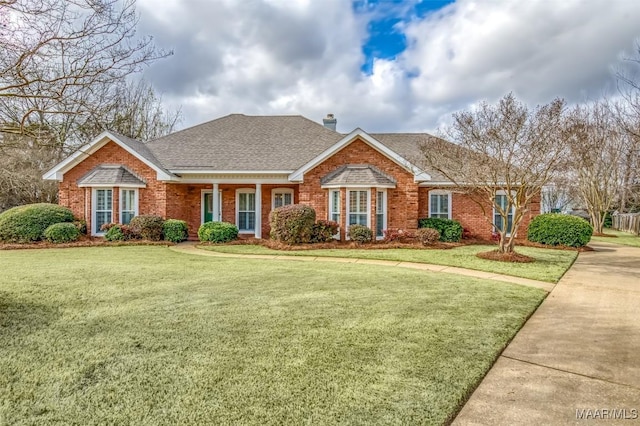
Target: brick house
[(238, 168)]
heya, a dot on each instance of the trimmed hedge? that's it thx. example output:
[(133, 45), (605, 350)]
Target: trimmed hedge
[(323, 231), (64, 232), (427, 236), (114, 232), (360, 233), (292, 224), (25, 224), (175, 230), (217, 232), (559, 229), (147, 226), (450, 230)]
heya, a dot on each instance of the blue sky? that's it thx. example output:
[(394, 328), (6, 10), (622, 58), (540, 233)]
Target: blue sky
[(386, 38), (383, 65)]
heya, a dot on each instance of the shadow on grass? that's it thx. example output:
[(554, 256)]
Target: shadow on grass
[(22, 317)]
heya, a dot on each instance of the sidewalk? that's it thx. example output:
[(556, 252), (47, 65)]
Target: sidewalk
[(189, 247), (577, 360)]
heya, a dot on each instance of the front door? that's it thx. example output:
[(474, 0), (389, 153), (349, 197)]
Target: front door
[(207, 206)]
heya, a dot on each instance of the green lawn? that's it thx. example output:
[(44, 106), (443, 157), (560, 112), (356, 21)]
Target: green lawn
[(143, 335), (549, 266), (623, 238)]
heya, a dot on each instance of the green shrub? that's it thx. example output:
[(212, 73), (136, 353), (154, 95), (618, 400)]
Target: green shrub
[(63, 232), (559, 229), (427, 236), (608, 220), (114, 232), (292, 224), (24, 224), (450, 230), (323, 231), (360, 233), (175, 230), (217, 232), (147, 226)]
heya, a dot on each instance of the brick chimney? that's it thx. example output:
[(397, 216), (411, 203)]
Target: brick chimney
[(330, 122)]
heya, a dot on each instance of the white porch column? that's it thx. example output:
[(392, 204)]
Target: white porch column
[(258, 210), (215, 204)]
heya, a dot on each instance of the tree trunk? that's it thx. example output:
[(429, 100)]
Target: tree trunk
[(506, 243)]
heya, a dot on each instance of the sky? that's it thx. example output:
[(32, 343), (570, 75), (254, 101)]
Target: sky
[(383, 65)]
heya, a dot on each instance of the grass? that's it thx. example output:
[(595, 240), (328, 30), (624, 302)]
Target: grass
[(549, 264), (143, 335), (623, 238)]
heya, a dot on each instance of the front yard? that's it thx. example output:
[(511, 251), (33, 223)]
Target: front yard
[(144, 335), (618, 237), (549, 265)]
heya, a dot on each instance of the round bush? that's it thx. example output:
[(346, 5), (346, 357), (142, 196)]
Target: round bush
[(147, 226), (24, 224), (175, 230), (450, 230), (64, 232), (360, 233), (217, 232), (427, 236), (115, 233), (324, 230), (559, 229), (292, 224)]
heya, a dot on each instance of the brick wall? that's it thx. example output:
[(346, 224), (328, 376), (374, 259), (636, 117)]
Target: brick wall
[(402, 201)]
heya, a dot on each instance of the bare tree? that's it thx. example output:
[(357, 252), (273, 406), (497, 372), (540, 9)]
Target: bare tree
[(597, 147), (55, 53), (505, 154)]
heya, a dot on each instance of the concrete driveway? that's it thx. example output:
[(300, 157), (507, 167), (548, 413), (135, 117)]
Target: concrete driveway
[(577, 360)]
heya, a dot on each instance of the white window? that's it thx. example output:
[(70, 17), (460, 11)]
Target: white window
[(358, 207), (128, 205), (102, 209), (246, 210), (381, 213), (502, 201), (281, 197), (440, 204), (334, 205)]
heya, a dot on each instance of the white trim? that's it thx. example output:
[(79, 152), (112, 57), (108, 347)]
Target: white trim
[(449, 201), (135, 202), (119, 185), (244, 191), (275, 191), (385, 213), (354, 185), (230, 172), (493, 207), (202, 203), (57, 172), (94, 231), (419, 175), (258, 222), (233, 180), (346, 219), (330, 210), (216, 203)]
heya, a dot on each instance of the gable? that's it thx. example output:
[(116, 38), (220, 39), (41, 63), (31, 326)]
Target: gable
[(364, 143)]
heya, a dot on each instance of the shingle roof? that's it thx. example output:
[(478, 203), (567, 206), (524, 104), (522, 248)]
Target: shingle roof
[(241, 143), (141, 148), (110, 175), (358, 174)]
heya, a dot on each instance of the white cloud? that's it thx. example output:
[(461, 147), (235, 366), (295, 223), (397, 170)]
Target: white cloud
[(304, 57)]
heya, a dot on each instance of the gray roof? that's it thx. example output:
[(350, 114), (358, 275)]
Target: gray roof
[(110, 175), (240, 143), (141, 148), (358, 174)]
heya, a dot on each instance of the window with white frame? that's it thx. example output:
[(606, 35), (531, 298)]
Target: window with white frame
[(334, 205), (281, 197), (440, 204), (102, 208), (246, 210), (502, 202), (381, 212), (128, 205), (358, 207)]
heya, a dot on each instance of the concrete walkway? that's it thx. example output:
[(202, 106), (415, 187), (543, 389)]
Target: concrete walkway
[(578, 355), (189, 247)]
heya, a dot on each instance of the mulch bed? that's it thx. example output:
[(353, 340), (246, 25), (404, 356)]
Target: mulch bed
[(84, 241), (512, 257), (597, 234), (374, 245)]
